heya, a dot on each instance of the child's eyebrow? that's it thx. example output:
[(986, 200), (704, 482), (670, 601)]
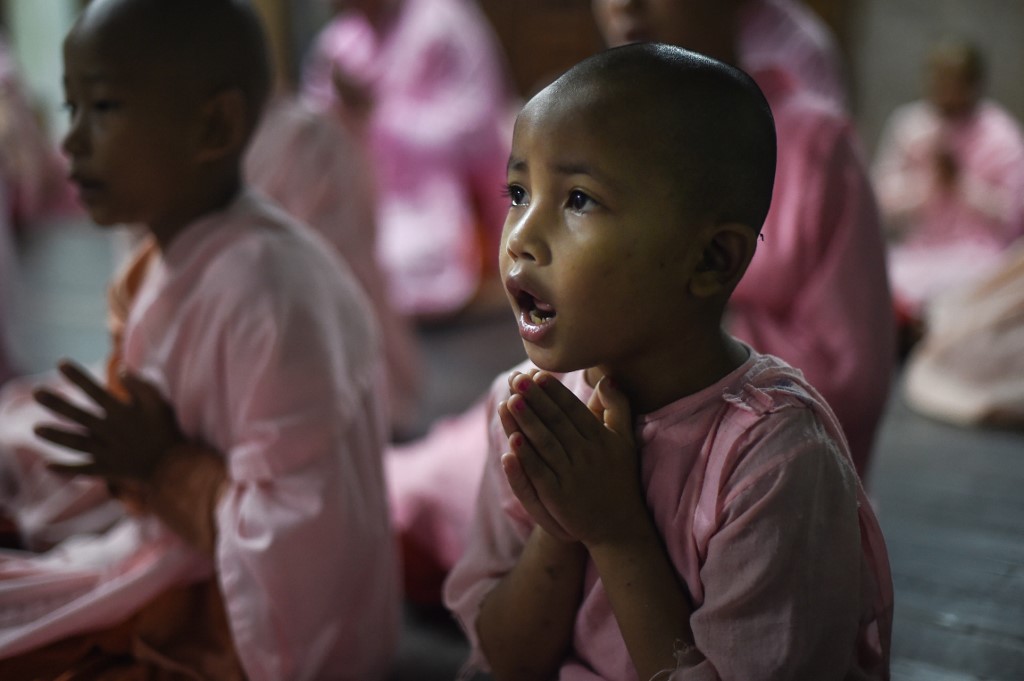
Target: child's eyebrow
[(562, 168)]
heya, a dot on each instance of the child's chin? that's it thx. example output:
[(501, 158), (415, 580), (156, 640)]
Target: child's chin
[(544, 360)]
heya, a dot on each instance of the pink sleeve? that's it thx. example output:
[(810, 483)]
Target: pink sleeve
[(304, 553), (782, 596), (499, 533), (993, 183)]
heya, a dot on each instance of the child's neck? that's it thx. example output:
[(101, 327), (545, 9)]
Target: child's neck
[(209, 198), (653, 384)]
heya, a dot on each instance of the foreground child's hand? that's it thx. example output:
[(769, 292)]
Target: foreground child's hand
[(573, 467), (126, 441)]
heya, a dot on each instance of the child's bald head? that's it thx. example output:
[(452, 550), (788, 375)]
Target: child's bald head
[(704, 123), (196, 47)]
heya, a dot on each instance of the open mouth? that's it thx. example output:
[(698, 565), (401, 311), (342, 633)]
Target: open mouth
[(534, 310)]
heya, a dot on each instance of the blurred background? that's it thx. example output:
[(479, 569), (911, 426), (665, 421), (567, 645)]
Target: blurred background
[(950, 499)]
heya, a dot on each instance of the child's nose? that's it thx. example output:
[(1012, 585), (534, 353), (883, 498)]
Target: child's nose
[(74, 143), (524, 239)]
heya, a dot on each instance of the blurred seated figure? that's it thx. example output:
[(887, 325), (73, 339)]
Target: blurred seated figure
[(423, 81), (309, 163), (969, 369), (787, 35), (950, 180)]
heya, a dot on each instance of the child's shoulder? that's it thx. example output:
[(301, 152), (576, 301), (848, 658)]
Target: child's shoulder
[(774, 420)]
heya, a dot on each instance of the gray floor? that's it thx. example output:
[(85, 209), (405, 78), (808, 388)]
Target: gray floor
[(950, 500)]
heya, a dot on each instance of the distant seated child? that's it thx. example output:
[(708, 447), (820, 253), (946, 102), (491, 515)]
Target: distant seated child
[(661, 500), (242, 421), (950, 180), (424, 80)]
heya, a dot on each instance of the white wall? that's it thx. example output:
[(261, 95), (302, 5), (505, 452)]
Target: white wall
[(36, 30)]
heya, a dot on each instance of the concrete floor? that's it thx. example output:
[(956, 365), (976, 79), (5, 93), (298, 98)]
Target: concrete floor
[(950, 500)]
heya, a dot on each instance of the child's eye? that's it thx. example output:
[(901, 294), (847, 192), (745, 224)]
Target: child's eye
[(578, 201), (516, 194)]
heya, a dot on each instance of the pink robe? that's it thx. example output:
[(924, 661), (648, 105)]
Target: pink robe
[(787, 35), (438, 136), (264, 345), (733, 476), (310, 164), (945, 239), (816, 292)]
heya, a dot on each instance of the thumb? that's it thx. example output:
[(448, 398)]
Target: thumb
[(618, 416)]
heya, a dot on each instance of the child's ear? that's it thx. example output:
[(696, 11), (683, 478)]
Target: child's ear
[(225, 125), (727, 252)]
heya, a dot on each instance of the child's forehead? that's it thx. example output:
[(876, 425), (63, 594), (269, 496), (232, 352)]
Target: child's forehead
[(594, 116)]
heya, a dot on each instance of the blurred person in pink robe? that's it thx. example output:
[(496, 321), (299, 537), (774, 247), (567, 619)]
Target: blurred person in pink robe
[(950, 179), (33, 186), (227, 515), (660, 500), (816, 295), (786, 35), (303, 158), (423, 82)]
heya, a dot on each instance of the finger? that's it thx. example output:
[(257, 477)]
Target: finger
[(508, 422), (75, 469), (524, 490), (60, 406), (79, 442), (534, 430), (83, 380), (580, 415), (617, 414), (544, 418), (542, 475), (141, 391)]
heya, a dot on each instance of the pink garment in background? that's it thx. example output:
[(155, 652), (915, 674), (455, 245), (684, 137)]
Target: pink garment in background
[(733, 474), (264, 345), (311, 165), (816, 292), (789, 36), (945, 239), (438, 137)]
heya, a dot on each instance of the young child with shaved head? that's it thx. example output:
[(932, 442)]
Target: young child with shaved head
[(661, 501), (240, 427)]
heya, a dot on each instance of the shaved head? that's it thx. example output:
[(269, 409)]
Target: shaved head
[(197, 47), (700, 120)]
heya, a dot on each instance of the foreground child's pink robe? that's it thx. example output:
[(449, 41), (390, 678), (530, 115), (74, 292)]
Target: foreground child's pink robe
[(816, 292), (949, 238), (266, 348), (438, 136), (764, 519)]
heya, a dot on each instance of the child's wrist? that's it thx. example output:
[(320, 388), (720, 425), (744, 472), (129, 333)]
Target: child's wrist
[(184, 491)]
